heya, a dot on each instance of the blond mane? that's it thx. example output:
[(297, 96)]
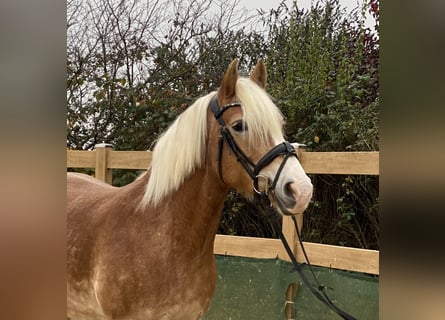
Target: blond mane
[(182, 147)]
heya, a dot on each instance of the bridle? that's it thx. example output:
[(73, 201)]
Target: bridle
[(285, 149)]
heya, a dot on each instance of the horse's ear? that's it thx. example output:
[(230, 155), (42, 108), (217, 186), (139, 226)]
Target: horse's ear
[(259, 74), (227, 89)]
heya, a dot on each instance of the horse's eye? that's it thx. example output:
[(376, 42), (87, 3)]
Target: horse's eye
[(239, 126)]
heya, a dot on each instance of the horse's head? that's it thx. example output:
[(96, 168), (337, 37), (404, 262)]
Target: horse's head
[(252, 154)]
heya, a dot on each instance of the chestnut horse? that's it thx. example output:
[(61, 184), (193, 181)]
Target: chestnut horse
[(145, 250)]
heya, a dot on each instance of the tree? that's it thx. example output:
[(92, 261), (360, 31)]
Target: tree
[(324, 77), (133, 66)]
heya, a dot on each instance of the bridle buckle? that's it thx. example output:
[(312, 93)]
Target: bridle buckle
[(257, 181)]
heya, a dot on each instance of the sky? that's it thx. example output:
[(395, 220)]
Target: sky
[(303, 4)]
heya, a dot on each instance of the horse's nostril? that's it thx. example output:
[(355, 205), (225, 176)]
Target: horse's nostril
[(288, 190)]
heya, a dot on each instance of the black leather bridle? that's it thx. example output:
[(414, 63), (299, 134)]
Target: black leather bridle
[(285, 149)]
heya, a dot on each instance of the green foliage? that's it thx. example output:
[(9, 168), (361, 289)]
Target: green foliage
[(132, 71), (343, 211), (321, 80), (242, 217), (323, 74)]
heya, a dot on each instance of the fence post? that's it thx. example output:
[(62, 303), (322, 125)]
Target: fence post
[(298, 250), (288, 227), (289, 232), (101, 170)]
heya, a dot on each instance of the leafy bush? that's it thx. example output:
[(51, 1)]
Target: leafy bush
[(131, 71), (322, 72)]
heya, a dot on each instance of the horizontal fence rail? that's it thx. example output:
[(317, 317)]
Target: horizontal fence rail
[(104, 159)]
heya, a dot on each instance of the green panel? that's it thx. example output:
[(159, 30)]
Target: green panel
[(256, 289)]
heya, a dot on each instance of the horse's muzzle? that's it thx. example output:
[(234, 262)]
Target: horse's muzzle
[(293, 197)]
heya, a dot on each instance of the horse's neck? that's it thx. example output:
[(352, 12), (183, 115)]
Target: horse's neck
[(190, 215)]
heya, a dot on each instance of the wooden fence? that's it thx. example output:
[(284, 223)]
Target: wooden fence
[(104, 160)]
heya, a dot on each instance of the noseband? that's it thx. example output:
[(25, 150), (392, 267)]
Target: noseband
[(253, 170)]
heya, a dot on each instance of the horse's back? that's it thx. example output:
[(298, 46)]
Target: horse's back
[(85, 194), (78, 183), (87, 200)]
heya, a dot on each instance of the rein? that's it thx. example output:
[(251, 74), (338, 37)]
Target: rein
[(287, 150), (320, 293)]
